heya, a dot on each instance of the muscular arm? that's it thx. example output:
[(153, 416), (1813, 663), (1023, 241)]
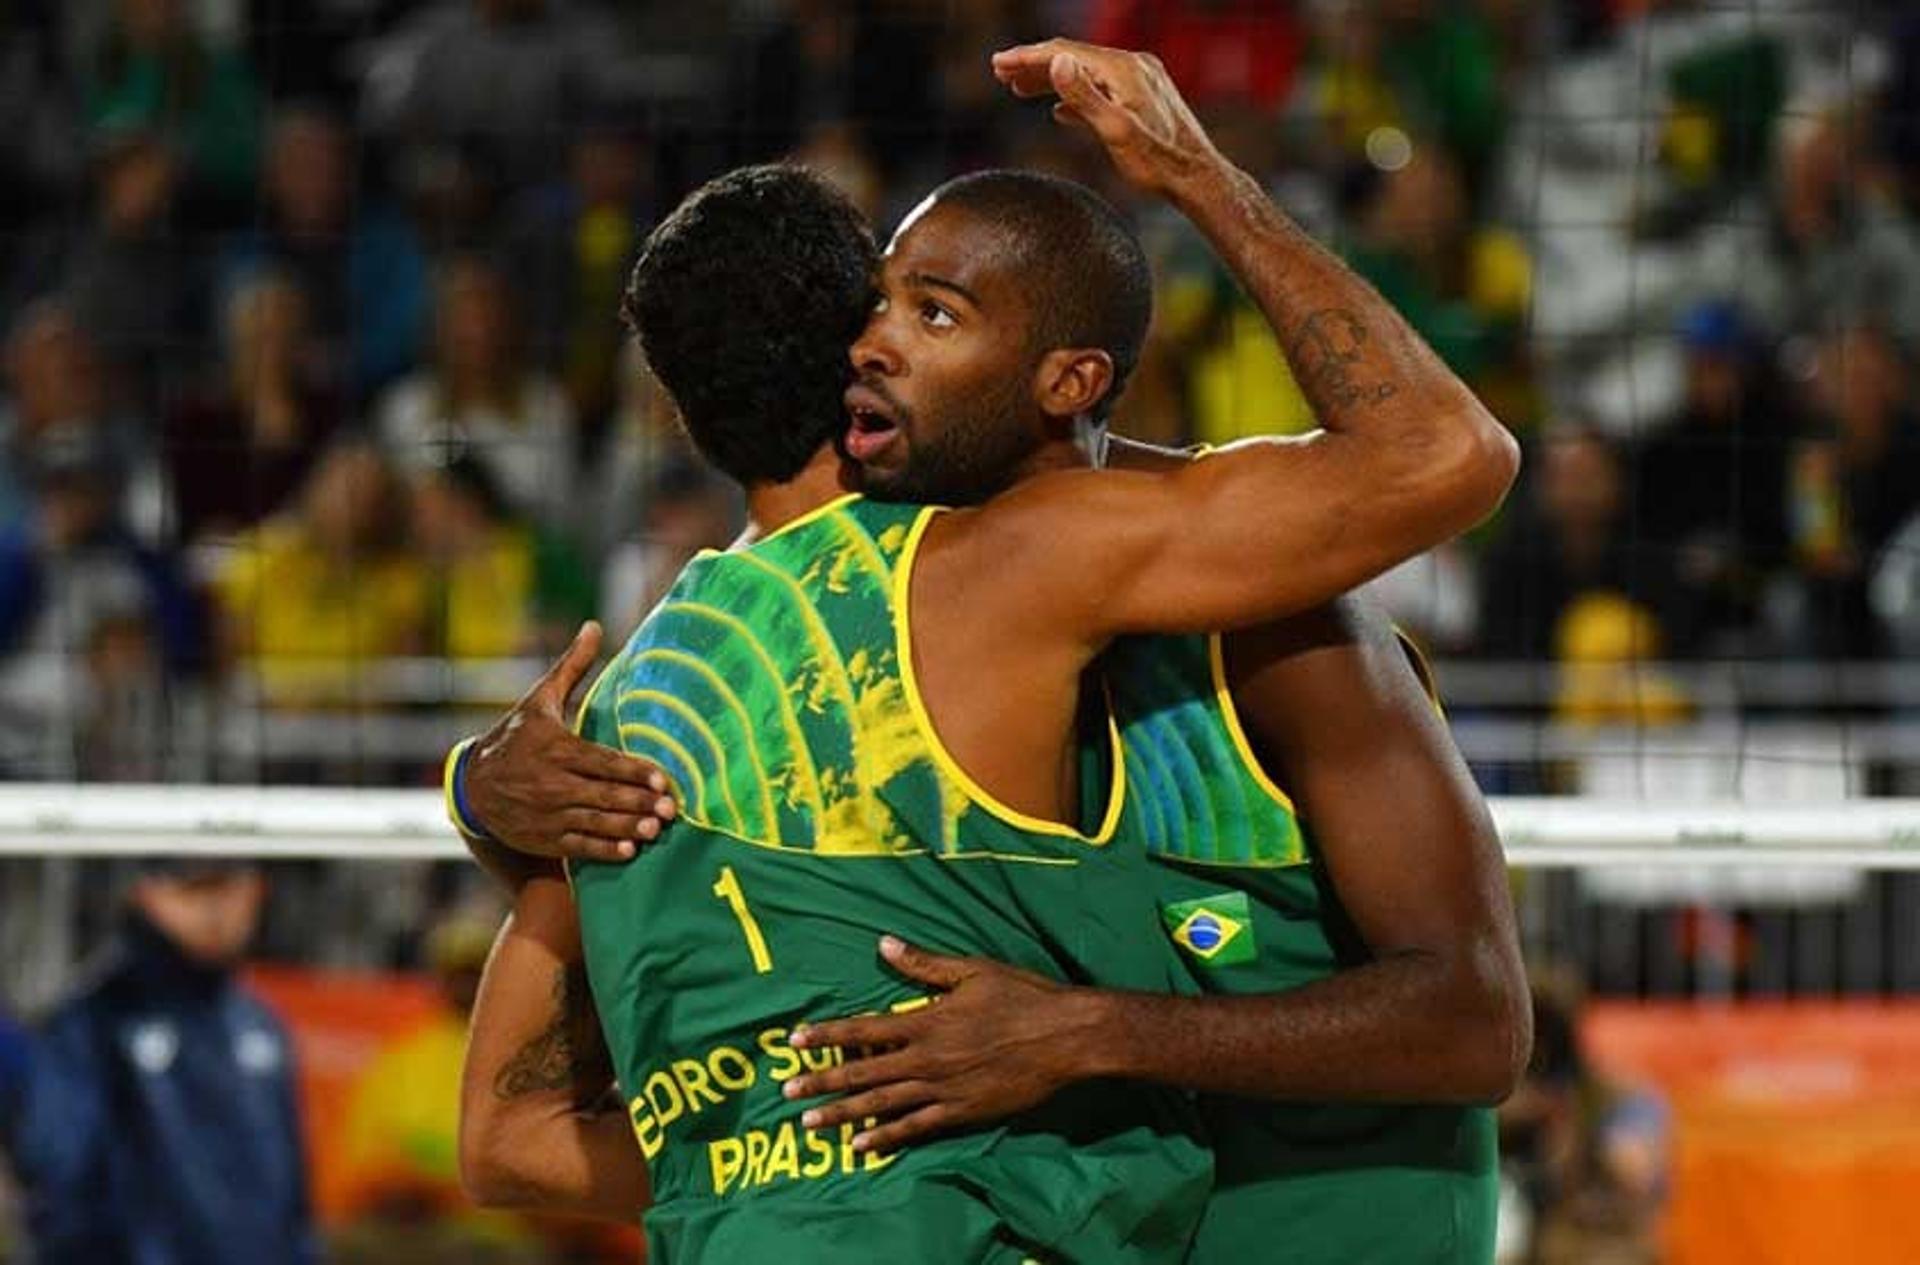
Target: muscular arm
[(1407, 457), (537, 1128), (1438, 1014)]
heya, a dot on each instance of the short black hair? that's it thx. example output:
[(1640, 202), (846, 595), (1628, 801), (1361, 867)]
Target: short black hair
[(1088, 276), (745, 300)]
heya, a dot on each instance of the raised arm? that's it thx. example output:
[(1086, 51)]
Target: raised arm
[(1407, 458), (540, 1126)]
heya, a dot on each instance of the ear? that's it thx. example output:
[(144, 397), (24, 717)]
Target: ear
[(1071, 381)]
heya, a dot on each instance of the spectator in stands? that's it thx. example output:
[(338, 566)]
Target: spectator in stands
[(154, 1118), (1423, 69), (1712, 482), (1572, 538), (126, 271), (646, 437), (312, 597), (41, 153), (1463, 286), (57, 387), (68, 564), (1854, 482), (873, 67), (480, 396), (503, 588), (505, 73), (1842, 250), (152, 70), (238, 451), (91, 622), (570, 244), (357, 262)]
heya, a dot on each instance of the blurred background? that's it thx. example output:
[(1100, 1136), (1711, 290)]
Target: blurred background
[(319, 431)]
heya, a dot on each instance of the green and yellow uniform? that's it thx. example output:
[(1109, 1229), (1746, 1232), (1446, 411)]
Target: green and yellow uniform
[(1249, 907), (774, 684)]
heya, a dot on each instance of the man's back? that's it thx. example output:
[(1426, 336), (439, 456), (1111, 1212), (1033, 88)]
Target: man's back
[(774, 685)]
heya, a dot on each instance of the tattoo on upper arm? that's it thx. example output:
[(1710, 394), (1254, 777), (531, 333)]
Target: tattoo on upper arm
[(1325, 351), (569, 1053)]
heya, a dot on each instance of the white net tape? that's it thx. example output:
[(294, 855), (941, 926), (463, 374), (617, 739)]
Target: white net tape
[(59, 819)]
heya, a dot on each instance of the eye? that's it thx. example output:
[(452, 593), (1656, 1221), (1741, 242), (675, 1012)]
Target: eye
[(879, 304), (936, 316)]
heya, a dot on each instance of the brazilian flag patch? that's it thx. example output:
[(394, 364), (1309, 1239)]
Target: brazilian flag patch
[(1216, 929)]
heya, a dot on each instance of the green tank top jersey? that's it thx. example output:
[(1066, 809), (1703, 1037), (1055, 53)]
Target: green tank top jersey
[(1246, 905), (774, 684)]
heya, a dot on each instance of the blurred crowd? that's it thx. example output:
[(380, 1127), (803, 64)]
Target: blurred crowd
[(311, 371), (312, 358)]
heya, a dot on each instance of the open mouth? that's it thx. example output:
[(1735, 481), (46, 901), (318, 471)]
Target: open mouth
[(870, 423)]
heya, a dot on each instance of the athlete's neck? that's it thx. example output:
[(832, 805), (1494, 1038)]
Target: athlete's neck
[(1084, 448), (771, 506)]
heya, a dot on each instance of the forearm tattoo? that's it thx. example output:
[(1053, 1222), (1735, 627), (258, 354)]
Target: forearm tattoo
[(1326, 352), (567, 1054)]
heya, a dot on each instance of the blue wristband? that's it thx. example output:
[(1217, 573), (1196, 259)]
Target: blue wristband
[(458, 809)]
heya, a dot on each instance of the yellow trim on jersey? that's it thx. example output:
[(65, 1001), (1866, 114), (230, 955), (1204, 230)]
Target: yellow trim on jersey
[(599, 683), (812, 515), (910, 686), (1217, 660), (1004, 856)]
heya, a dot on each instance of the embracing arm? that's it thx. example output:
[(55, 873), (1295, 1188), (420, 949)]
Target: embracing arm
[(539, 1126), (1438, 1012), (1407, 458)]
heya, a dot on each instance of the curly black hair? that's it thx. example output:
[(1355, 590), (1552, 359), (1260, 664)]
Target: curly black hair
[(1082, 264), (745, 300)]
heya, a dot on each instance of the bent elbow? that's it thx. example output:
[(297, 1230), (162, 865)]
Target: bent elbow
[(1479, 468), (1504, 1044), (1499, 1065), (489, 1175), (1490, 1036)]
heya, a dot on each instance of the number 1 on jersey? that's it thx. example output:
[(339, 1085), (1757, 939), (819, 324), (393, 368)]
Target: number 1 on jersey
[(727, 888)]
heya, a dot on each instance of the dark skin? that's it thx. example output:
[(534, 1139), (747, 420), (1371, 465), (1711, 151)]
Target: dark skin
[(530, 761), (1186, 547), (536, 1126)]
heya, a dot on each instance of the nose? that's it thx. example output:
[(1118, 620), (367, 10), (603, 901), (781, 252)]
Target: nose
[(874, 352)]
